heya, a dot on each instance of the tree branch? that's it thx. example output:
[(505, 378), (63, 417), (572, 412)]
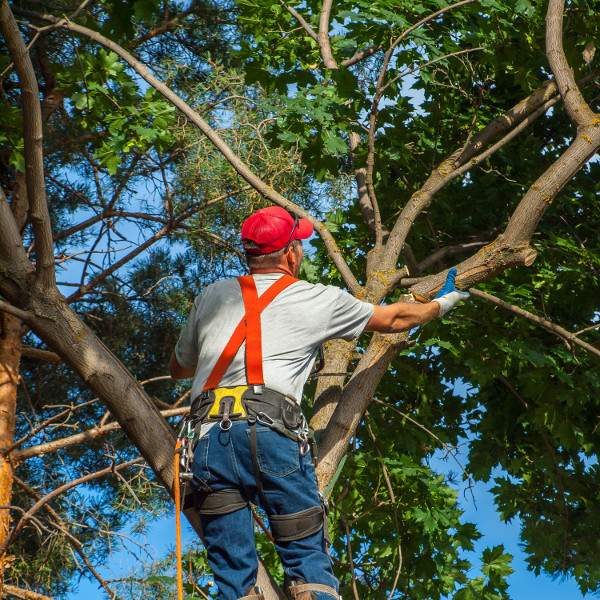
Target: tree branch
[(557, 330), (23, 594), (240, 167), (13, 257), (503, 129), (360, 176), (16, 312), (38, 354), (32, 138), (61, 526), (61, 490), (301, 20), (81, 438), (577, 108), (323, 37), (445, 252)]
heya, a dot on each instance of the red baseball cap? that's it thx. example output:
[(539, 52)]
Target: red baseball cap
[(271, 229)]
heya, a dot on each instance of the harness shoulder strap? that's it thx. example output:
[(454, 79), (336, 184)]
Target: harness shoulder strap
[(248, 329)]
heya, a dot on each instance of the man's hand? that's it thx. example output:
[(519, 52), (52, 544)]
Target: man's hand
[(449, 296)]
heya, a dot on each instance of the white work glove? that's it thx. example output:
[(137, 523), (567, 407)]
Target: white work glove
[(449, 296)]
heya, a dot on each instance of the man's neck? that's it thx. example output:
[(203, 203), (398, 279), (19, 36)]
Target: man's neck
[(271, 271)]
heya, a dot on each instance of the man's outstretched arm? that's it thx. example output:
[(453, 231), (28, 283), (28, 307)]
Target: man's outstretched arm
[(402, 316)]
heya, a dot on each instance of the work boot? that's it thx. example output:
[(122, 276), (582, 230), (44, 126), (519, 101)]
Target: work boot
[(253, 593), (294, 595)]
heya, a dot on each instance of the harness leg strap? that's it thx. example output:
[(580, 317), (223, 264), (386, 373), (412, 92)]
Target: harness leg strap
[(221, 502), (295, 526)]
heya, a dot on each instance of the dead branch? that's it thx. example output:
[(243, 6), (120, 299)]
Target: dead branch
[(62, 527), (49, 421), (32, 138), (557, 330), (83, 437), (61, 490)]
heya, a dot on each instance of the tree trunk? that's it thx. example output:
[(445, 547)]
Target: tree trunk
[(10, 356), (107, 377)]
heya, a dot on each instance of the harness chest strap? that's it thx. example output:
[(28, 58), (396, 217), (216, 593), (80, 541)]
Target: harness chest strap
[(248, 329)]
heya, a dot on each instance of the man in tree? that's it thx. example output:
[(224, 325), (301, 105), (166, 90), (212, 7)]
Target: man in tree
[(250, 344)]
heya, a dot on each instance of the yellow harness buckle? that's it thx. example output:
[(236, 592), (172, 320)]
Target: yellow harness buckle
[(236, 410)]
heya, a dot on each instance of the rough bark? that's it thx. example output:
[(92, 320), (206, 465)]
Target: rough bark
[(10, 355), (338, 354)]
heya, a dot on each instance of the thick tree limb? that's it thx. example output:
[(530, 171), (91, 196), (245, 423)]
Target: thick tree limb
[(323, 37), (23, 594), (579, 112), (557, 330), (32, 138), (235, 161)]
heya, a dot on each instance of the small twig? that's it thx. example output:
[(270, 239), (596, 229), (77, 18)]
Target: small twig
[(350, 558), (301, 20), (61, 490), (557, 330)]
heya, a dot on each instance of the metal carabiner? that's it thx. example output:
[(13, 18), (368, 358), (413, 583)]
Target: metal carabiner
[(265, 419)]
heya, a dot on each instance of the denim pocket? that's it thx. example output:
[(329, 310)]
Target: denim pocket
[(200, 465), (277, 454)]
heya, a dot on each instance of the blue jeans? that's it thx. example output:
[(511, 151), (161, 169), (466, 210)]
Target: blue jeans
[(222, 459)]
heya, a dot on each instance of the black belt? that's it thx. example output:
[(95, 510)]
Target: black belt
[(253, 403)]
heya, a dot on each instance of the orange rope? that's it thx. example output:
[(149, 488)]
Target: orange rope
[(177, 495)]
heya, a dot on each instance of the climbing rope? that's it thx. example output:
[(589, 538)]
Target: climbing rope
[(177, 495)]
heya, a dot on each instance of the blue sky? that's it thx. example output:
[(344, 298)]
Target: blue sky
[(524, 585)]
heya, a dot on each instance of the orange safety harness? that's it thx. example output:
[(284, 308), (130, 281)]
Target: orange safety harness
[(248, 329)]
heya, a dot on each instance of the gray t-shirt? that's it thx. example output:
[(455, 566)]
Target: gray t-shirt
[(294, 325)]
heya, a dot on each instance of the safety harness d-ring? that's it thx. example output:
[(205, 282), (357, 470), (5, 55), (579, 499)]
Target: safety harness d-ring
[(225, 424)]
